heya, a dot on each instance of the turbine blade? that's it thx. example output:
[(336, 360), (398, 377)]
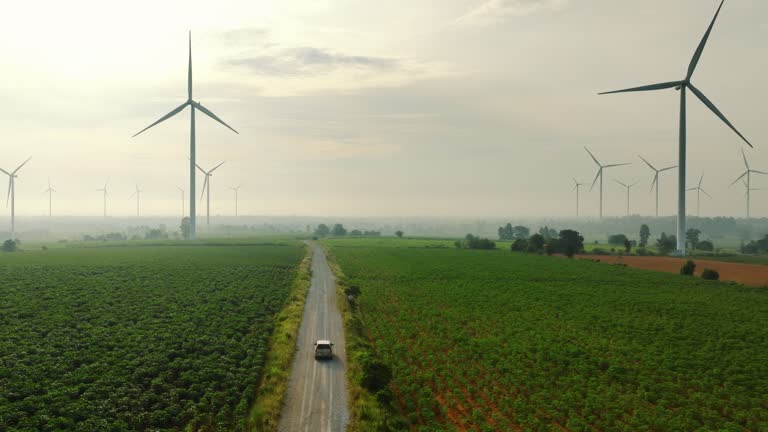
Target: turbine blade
[(739, 178), (620, 183), (200, 168), (667, 169), (705, 193), (701, 180), (655, 181), (717, 112), (660, 86), (600, 171), (616, 165), (165, 117), (593, 157), (189, 73), (745, 159), (759, 172), (6, 172), (212, 115), (25, 162), (647, 163), (691, 189), (10, 185), (702, 44), (205, 184), (214, 168)]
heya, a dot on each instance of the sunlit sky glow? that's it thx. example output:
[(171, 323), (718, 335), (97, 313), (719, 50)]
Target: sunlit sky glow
[(428, 108)]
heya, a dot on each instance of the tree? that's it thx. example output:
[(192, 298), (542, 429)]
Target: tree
[(688, 268), (617, 239), (705, 245), (399, 233), (519, 245), (666, 244), (322, 230), (186, 228), (547, 232), (536, 243), (356, 233), (627, 246), (645, 234), (692, 237), (9, 246), (506, 232), (571, 242), (521, 232), (474, 242), (338, 230)]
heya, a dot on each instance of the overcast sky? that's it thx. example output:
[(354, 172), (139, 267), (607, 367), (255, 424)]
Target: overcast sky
[(397, 108)]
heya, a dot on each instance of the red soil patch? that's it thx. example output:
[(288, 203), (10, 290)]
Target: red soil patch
[(747, 274)]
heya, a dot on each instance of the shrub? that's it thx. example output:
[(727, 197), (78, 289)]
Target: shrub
[(688, 268), (536, 243), (519, 245), (710, 274), (599, 251), (617, 239), (376, 375), (705, 246)]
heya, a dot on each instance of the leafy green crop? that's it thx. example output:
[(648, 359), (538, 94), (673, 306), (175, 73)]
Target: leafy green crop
[(493, 340), (137, 338)]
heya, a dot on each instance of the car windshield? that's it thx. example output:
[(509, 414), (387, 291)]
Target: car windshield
[(323, 346)]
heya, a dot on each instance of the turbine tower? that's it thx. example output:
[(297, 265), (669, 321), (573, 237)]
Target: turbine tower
[(104, 189), (235, 189), (137, 194), (182, 201), (629, 188), (682, 87), (207, 191), (193, 106), (748, 174), (699, 190), (577, 187), (12, 176), (600, 176), (656, 180), (50, 192)]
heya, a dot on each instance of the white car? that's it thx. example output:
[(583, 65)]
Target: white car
[(323, 349)]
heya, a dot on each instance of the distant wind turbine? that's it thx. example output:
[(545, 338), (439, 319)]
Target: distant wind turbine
[(137, 194), (577, 186), (182, 201), (600, 176), (207, 191), (104, 189), (656, 180), (699, 190), (629, 188), (50, 192), (748, 174), (682, 86), (193, 106), (12, 176), (236, 190)]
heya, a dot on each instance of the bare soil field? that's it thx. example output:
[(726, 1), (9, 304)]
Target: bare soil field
[(747, 274)]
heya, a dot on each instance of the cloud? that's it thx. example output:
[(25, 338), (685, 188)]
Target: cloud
[(493, 11), (308, 60)]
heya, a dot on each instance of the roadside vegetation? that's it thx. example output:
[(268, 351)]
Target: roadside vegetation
[(117, 338), (492, 340)]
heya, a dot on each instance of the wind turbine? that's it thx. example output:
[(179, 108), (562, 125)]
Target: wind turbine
[(104, 189), (699, 190), (12, 176), (235, 189), (50, 192), (656, 180), (600, 176), (629, 188), (577, 186), (137, 194), (682, 86), (182, 201), (207, 189), (193, 106), (748, 174)]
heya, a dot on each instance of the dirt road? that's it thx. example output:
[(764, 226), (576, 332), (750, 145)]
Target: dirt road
[(316, 399)]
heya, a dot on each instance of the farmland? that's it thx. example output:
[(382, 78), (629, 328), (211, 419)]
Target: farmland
[(130, 337), (493, 340)]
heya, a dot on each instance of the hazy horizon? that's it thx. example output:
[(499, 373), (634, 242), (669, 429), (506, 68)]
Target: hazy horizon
[(456, 109)]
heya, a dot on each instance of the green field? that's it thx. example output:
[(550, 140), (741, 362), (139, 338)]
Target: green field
[(494, 340), (128, 337)]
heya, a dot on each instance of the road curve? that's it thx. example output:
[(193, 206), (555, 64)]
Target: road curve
[(316, 399)]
